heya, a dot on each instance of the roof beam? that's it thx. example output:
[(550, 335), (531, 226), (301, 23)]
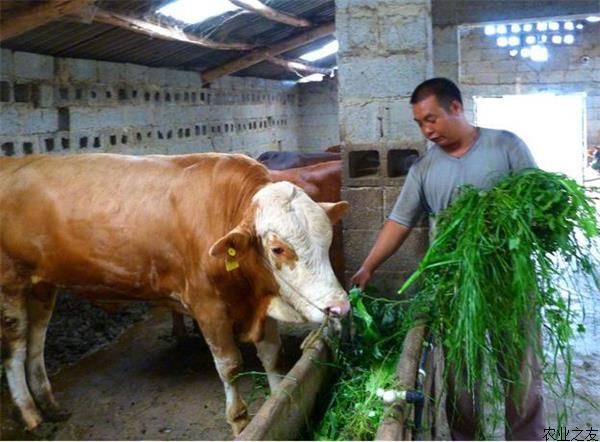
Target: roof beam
[(157, 31), (260, 8), (294, 66), (13, 25), (258, 56)]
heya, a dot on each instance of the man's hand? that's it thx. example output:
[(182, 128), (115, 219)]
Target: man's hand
[(362, 277)]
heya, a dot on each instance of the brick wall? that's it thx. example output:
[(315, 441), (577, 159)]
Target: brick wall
[(57, 105)]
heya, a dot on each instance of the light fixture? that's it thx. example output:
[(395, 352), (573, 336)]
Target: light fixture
[(553, 26), (579, 26), (502, 42), (568, 26), (515, 28), (525, 52), (513, 52), (513, 40), (527, 27), (569, 39), (501, 29), (541, 26), (557, 39), (530, 39), (593, 19)]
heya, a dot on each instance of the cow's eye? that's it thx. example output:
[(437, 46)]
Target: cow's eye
[(277, 250)]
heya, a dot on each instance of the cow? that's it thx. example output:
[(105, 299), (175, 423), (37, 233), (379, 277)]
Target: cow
[(322, 182), (276, 160), (209, 235)]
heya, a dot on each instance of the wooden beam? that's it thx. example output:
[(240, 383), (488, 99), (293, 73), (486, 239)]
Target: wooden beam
[(257, 56), (260, 8), (13, 25), (158, 31), (293, 65)]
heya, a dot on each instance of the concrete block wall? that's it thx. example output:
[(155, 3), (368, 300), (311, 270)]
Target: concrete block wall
[(59, 105), (486, 69), (318, 113), (385, 51)]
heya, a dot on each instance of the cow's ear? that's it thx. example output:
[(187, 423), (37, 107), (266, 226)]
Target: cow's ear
[(232, 246), (335, 211)]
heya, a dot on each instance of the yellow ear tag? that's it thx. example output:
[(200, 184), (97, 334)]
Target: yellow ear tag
[(234, 264)]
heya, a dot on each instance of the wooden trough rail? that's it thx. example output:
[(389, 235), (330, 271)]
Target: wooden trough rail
[(286, 413), (417, 354)]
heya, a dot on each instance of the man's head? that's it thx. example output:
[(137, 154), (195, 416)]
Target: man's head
[(438, 110)]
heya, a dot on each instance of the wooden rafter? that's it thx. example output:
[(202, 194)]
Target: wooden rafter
[(260, 8), (12, 25), (154, 30), (257, 56), (294, 66)]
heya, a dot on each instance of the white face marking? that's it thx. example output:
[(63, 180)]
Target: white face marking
[(286, 215)]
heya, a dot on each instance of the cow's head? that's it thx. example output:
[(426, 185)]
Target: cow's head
[(295, 234)]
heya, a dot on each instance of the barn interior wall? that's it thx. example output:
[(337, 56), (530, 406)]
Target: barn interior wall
[(385, 50), (60, 105), (486, 69), (318, 110)]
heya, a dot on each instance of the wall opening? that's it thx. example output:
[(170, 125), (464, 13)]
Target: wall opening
[(363, 163), (552, 125)]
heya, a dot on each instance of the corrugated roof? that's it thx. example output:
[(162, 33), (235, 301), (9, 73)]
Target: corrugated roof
[(108, 43)]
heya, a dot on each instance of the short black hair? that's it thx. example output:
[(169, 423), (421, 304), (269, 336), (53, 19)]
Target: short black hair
[(445, 90)]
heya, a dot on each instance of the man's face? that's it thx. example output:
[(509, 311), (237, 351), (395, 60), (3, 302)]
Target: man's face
[(436, 123)]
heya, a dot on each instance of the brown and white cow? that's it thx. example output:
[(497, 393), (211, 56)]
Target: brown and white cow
[(207, 234)]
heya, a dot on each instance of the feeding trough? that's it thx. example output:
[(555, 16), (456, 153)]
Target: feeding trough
[(289, 412)]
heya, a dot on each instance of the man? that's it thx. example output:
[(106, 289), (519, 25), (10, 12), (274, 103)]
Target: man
[(461, 154)]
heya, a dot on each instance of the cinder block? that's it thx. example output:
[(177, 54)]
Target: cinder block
[(7, 66), (109, 73), (403, 33), (135, 73), (80, 69), (359, 122), (28, 66), (392, 76), (44, 95), (357, 33), (366, 207)]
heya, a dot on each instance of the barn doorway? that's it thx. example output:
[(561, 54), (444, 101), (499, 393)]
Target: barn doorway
[(552, 125)]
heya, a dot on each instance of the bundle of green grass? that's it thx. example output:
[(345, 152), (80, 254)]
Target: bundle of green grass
[(365, 363), (495, 269)]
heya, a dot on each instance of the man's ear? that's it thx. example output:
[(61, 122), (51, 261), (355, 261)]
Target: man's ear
[(233, 245), (455, 107), (335, 211)]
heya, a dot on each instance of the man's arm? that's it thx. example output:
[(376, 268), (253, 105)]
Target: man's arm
[(390, 238)]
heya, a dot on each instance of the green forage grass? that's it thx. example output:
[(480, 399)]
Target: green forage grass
[(365, 363), (493, 273)]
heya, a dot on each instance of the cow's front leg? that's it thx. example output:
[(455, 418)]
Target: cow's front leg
[(269, 352), (217, 329)]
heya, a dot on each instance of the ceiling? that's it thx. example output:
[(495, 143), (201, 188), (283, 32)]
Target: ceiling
[(80, 29), (79, 34)]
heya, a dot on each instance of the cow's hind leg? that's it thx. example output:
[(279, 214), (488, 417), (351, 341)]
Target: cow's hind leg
[(13, 318), (269, 353), (40, 304), (218, 333)]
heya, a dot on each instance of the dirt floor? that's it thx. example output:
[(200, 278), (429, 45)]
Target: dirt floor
[(145, 386)]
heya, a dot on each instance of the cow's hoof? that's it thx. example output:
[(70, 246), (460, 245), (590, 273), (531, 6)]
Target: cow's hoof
[(56, 414), (32, 422), (240, 423)]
